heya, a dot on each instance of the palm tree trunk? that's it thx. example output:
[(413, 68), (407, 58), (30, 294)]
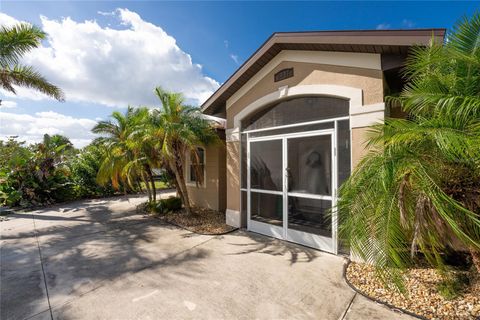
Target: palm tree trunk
[(177, 187), (154, 189), (472, 203), (152, 181), (147, 185), (182, 187), (171, 174)]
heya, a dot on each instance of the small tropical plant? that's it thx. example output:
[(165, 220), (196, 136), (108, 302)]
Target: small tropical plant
[(15, 41), (417, 191)]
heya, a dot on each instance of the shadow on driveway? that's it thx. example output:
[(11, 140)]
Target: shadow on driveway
[(82, 245)]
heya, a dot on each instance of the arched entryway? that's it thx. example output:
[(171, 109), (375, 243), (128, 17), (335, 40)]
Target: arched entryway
[(295, 154)]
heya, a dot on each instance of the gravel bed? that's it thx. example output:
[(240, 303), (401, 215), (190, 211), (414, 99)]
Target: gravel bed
[(202, 220), (423, 298)]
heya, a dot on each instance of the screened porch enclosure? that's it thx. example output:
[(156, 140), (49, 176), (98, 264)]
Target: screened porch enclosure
[(294, 155)]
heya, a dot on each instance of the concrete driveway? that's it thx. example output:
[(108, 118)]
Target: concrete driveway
[(99, 259)]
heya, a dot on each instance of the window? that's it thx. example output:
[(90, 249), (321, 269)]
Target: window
[(196, 165), (297, 110)]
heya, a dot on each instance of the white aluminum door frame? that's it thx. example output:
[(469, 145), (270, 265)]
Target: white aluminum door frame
[(308, 239), (257, 226), (282, 232)]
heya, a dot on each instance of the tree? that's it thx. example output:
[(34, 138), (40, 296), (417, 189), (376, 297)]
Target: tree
[(9, 149), (84, 168), (15, 41), (143, 139), (142, 142), (54, 147), (418, 188), (14, 156), (183, 130), (124, 163)]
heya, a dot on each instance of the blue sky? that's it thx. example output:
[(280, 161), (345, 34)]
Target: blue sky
[(106, 58)]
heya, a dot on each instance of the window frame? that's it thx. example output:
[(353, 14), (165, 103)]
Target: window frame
[(188, 169)]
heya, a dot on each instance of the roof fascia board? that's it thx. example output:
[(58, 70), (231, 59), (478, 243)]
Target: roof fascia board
[(408, 37)]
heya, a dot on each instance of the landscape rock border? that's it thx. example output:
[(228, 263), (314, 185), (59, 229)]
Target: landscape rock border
[(199, 233), (390, 306)]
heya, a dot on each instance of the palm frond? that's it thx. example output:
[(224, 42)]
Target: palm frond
[(26, 76), (17, 40), (465, 36), (417, 188)]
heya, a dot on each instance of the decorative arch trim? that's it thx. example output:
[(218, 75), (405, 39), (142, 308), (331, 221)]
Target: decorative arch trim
[(366, 115), (354, 95)]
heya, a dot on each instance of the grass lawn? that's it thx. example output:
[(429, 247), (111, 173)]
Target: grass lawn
[(158, 185)]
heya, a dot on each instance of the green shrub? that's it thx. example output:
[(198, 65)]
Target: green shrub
[(163, 206), (453, 285), (84, 168), (48, 172), (37, 174), (173, 203)]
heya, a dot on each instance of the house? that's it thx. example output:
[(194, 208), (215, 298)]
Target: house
[(297, 113)]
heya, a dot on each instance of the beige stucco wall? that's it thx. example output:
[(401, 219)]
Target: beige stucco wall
[(359, 138), (212, 194), (222, 177), (233, 175), (369, 80)]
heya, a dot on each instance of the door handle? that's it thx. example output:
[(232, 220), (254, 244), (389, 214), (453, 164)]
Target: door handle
[(287, 176)]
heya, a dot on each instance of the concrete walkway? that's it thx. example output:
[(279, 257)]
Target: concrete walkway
[(99, 259)]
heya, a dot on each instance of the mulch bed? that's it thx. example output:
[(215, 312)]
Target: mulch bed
[(423, 297), (204, 221)]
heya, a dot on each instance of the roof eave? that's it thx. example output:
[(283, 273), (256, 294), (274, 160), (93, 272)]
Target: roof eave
[(399, 38)]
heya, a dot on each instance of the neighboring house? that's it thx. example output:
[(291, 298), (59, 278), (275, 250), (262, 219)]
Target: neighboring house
[(297, 113)]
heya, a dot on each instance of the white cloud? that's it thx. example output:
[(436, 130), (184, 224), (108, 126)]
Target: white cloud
[(383, 26), (6, 20), (6, 104), (115, 66), (106, 13), (234, 58), (31, 128), (23, 93)]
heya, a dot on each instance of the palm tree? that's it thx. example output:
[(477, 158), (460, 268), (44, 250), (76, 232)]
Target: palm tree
[(418, 188), (14, 43), (183, 131), (51, 154), (124, 163), (142, 142)]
